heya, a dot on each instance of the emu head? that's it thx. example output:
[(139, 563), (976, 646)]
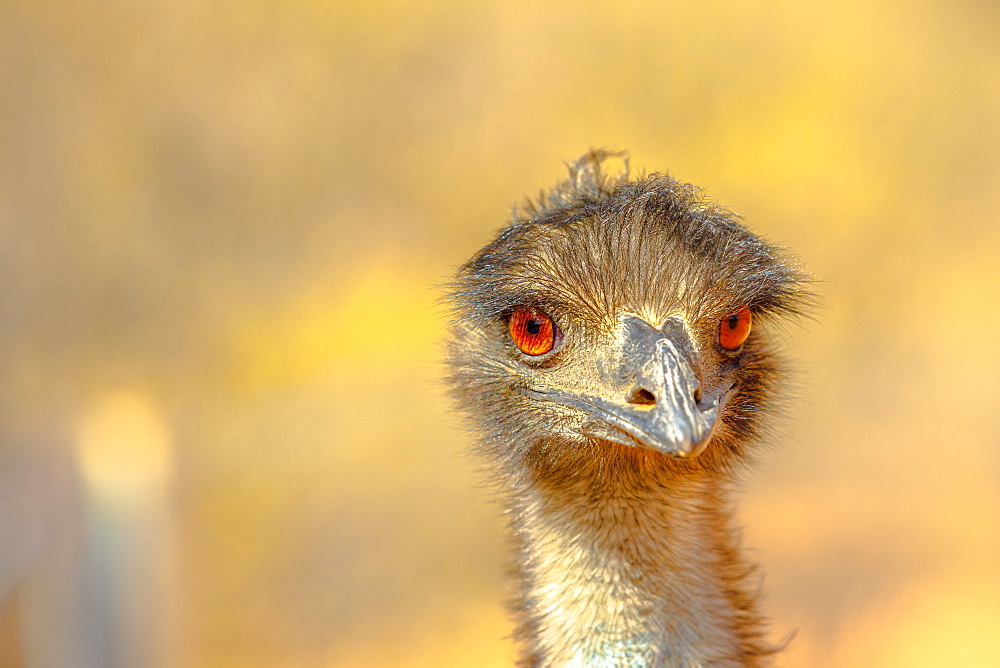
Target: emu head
[(620, 312)]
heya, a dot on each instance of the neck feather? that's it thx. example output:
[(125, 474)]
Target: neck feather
[(629, 558)]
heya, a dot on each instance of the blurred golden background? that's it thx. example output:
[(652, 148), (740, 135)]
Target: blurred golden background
[(223, 231)]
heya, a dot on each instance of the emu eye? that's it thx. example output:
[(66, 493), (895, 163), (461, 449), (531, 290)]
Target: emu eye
[(734, 329), (533, 331)]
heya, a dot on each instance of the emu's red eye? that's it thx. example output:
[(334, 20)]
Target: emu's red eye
[(734, 329), (533, 331)]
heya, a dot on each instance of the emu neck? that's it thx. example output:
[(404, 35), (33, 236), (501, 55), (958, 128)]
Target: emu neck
[(631, 561)]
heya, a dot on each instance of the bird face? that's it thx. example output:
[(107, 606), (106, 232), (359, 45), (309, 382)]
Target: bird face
[(629, 318), (644, 385)]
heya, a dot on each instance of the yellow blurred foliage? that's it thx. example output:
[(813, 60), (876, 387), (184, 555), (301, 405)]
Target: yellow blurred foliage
[(949, 620), (124, 447), (380, 321)]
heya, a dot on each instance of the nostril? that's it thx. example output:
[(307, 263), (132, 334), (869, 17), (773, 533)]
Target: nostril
[(644, 397), (697, 395)]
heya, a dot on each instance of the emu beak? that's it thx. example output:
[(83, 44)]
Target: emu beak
[(664, 407), (662, 410)]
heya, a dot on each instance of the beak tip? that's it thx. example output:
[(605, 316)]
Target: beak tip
[(685, 450)]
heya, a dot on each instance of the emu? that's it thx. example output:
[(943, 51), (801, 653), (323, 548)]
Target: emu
[(611, 349)]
